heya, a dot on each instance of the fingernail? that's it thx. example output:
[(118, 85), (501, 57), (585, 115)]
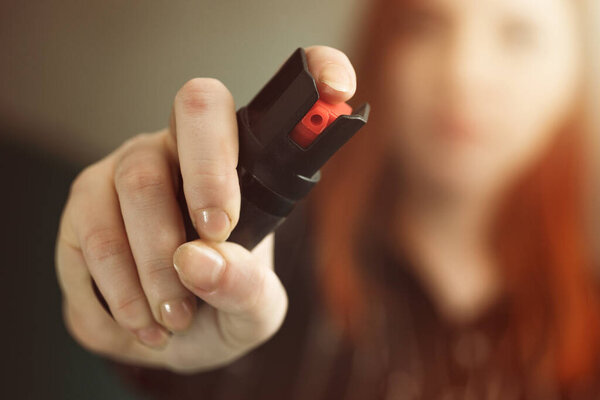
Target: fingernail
[(177, 314), (199, 266), (336, 77), (213, 224), (152, 336)]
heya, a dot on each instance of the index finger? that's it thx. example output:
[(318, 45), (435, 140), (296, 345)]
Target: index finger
[(205, 129)]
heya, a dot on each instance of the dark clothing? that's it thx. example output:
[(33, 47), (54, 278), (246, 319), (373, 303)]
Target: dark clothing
[(416, 354)]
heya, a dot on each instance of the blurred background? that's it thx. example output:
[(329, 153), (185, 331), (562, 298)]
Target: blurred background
[(77, 78), (87, 75)]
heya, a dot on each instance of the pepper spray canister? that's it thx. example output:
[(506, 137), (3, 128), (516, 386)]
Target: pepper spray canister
[(286, 134)]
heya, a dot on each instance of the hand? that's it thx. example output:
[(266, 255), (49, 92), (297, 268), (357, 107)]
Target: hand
[(123, 228)]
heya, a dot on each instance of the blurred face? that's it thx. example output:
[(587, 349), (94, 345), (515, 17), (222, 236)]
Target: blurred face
[(475, 89)]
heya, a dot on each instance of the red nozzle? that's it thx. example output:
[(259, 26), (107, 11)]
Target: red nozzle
[(319, 117)]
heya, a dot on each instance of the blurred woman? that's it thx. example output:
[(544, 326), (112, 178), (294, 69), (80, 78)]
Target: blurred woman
[(479, 113)]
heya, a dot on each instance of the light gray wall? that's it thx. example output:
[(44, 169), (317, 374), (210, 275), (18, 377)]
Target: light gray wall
[(86, 75)]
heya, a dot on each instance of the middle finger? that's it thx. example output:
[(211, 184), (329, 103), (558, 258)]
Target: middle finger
[(154, 225)]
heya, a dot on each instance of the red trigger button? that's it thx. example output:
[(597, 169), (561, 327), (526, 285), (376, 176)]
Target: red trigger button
[(319, 117)]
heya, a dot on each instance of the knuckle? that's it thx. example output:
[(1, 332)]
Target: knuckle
[(160, 260), (159, 270), (104, 243), (140, 176), (200, 94), (216, 172), (165, 242), (213, 177), (128, 310), (210, 184)]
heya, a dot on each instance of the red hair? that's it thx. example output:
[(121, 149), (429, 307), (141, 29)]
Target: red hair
[(539, 237)]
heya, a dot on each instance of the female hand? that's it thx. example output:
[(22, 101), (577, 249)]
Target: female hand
[(122, 228)]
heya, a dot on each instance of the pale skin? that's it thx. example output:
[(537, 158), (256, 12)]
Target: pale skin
[(477, 91), (465, 115), (122, 228)]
